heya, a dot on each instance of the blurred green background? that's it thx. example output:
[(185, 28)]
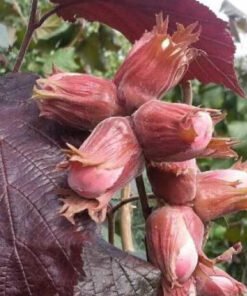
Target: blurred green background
[(95, 48)]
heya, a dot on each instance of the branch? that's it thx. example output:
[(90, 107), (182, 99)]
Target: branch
[(187, 92), (143, 197)]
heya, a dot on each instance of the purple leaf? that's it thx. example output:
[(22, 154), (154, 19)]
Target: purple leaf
[(133, 17), (116, 273), (41, 253)]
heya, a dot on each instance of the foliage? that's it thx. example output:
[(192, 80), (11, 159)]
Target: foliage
[(80, 47)]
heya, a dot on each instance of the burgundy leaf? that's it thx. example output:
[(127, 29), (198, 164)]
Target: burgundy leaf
[(41, 253), (133, 17), (116, 273)]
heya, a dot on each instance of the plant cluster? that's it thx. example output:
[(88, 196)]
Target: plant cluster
[(53, 249), (132, 129)]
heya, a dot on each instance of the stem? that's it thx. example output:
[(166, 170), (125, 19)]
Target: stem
[(207, 227), (33, 24), (143, 197), (125, 221), (111, 227), (146, 210), (187, 92)]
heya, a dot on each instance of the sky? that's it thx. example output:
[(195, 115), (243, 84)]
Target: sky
[(215, 5)]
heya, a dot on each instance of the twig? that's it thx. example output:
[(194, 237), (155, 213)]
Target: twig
[(112, 212), (33, 24), (45, 17), (125, 221), (187, 92), (78, 37), (143, 196), (123, 202), (111, 218)]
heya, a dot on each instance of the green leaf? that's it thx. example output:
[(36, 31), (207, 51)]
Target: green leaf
[(52, 27), (64, 58), (236, 233), (238, 129)]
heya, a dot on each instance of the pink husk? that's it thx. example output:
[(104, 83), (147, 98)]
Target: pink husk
[(77, 100), (172, 131), (156, 63), (187, 289), (104, 163), (220, 192), (173, 182), (174, 239), (212, 281)]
